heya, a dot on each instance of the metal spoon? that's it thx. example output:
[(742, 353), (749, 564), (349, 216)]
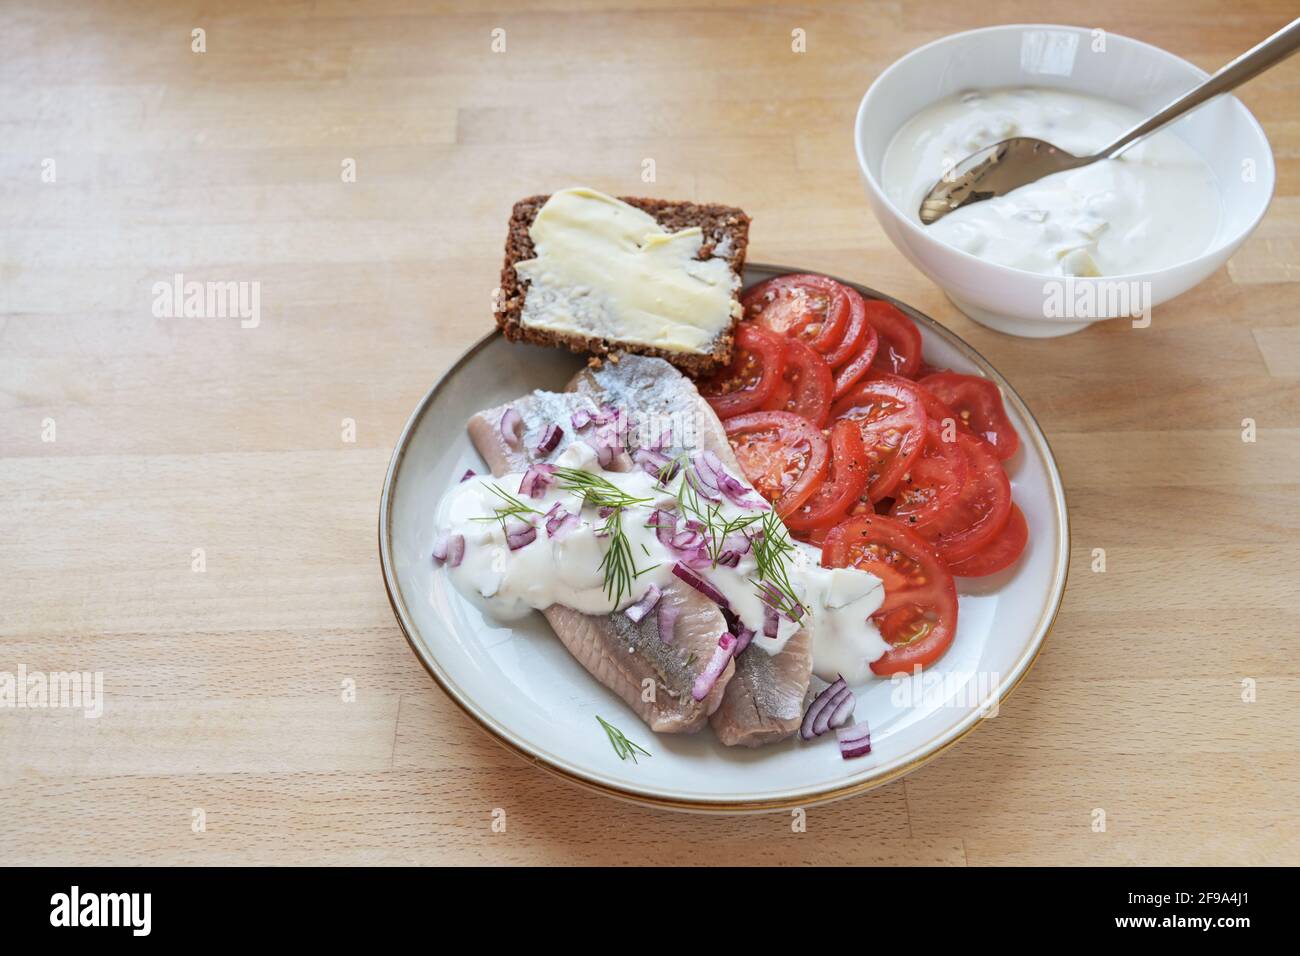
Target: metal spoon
[(996, 170)]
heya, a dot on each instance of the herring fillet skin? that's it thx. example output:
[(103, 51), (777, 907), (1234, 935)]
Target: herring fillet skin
[(764, 702), (620, 654)]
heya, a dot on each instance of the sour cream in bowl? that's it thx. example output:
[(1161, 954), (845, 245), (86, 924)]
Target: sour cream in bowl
[(1108, 240)]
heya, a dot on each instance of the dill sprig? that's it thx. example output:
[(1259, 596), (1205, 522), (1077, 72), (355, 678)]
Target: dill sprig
[(619, 563), (717, 527), (511, 507), (772, 551), (595, 490), (622, 746)]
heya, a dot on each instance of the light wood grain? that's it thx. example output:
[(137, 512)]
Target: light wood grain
[(224, 689)]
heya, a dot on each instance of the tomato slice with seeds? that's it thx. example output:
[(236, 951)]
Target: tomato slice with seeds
[(934, 482), (810, 308), (852, 371), (1000, 553), (982, 509), (855, 330), (900, 339), (783, 455), (846, 479), (978, 403), (806, 385), (892, 419), (919, 615), (748, 380)]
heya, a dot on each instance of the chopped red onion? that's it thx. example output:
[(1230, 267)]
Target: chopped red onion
[(550, 438), (687, 540), (714, 472), (469, 473), (605, 452), (843, 713), (738, 542), (701, 479), (644, 606), (745, 635), (580, 419), (558, 519), (655, 463), (698, 582), (854, 741), (771, 620), (511, 426), (817, 719), (449, 549), (666, 618), (536, 480), (729, 559), (520, 535), (717, 664)]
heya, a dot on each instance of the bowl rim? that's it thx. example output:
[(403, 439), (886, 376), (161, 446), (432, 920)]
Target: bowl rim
[(793, 796), (918, 232)]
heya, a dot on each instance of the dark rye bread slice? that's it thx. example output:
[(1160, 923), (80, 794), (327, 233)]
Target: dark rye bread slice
[(718, 223)]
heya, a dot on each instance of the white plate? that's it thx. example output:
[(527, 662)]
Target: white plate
[(520, 684)]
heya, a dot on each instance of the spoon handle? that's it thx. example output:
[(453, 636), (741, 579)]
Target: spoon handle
[(1247, 66)]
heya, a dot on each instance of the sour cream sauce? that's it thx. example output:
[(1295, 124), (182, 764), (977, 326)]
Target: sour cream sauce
[(566, 569), (1158, 204)]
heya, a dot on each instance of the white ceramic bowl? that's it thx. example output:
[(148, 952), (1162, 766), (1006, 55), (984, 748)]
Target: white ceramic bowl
[(1126, 71)]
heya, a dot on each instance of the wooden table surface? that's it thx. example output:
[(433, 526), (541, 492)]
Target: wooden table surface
[(185, 509)]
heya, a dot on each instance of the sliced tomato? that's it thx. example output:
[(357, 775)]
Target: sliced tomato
[(810, 308), (855, 330), (1000, 553), (852, 371), (806, 384), (748, 380), (919, 614), (978, 403), (892, 419), (782, 454), (900, 339), (935, 481), (846, 479), (982, 509)]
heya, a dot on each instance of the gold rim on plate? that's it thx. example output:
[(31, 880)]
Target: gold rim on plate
[(929, 751)]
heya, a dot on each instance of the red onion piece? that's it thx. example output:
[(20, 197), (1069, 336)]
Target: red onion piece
[(605, 452), (714, 472), (519, 536), (854, 741), (511, 426), (843, 712), (687, 540), (817, 717), (666, 618), (550, 438), (449, 549), (771, 621), (698, 582), (558, 519), (745, 635), (469, 473), (536, 480), (655, 463), (717, 664), (580, 419), (729, 559), (644, 606)]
